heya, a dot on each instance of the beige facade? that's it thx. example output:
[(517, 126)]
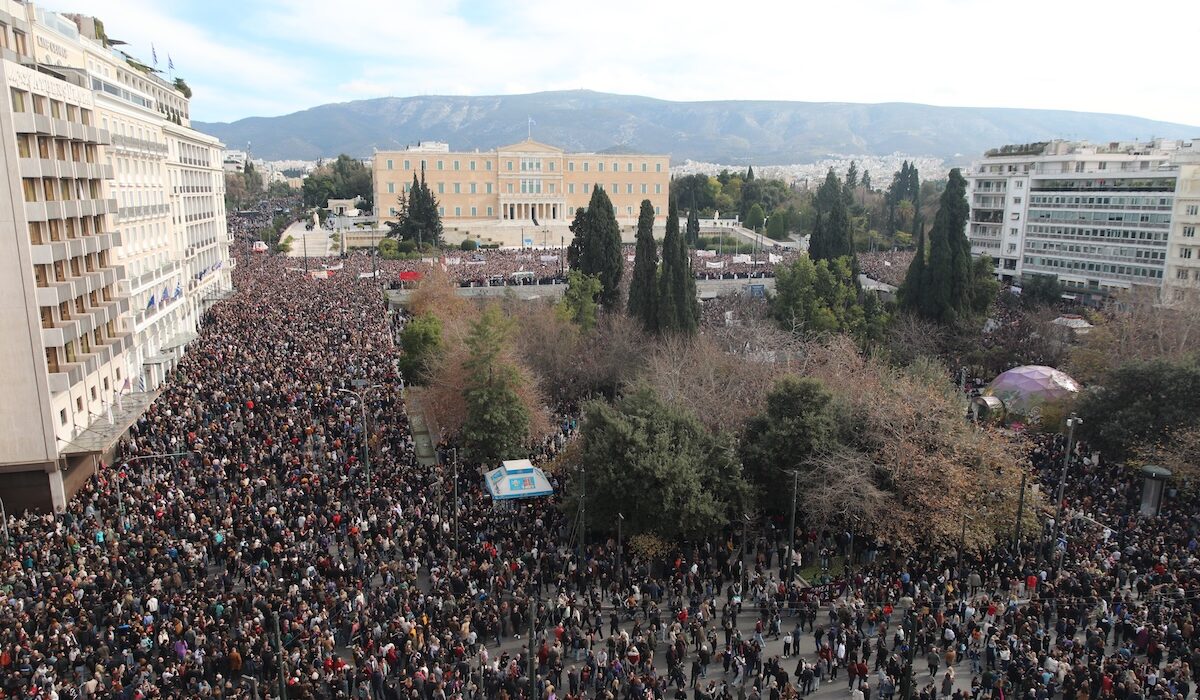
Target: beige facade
[(522, 182)]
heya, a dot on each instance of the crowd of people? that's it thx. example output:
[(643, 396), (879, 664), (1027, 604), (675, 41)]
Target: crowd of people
[(887, 266), (258, 530)]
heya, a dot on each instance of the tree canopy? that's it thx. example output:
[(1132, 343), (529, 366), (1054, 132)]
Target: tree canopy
[(643, 288), (678, 310), (344, 178), (831, 236), (659, 467), (596, 247), (418, 219), (497, 423)]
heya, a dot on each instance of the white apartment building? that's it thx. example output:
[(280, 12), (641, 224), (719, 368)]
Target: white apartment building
[(1100, 218), (116, 244)]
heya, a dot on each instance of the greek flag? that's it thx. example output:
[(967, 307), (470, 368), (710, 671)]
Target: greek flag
[(153, 54)]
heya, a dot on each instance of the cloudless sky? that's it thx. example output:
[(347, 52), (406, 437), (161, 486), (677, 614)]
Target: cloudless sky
[(269, 57)]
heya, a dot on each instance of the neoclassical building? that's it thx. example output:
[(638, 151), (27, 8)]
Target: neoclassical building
[(521, 183)]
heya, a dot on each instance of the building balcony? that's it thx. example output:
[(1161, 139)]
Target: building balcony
[(70, 374)]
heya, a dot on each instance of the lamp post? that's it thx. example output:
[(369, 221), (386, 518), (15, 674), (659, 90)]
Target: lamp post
[(745, 546), (1072, 421), (620, 551), (792, 529), (362, 404)]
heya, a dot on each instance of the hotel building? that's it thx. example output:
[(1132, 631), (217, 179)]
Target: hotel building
[(115, 244), (1099, 218), (522, 182)]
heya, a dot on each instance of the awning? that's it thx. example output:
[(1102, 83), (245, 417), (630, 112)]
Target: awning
[(101, 435), (179, 340), (159, 360)]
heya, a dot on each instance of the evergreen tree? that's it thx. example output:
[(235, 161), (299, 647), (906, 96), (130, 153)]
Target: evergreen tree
[(643, 288), (693, 228), (947, 293), (832, 236), (912, 290), (596, 247), (419, 220), (750, 174), (866, 180), (497, 422), (678, 310), (852, 176)]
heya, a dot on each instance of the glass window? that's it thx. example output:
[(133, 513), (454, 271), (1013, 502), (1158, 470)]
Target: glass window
[(440, 165), (389, 164), (408, 165)]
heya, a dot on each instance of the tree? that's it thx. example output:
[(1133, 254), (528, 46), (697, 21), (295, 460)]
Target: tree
[(596, 247), (777, 225), (421, 341), (578, 304), (656, 465), (678, 310), (496, 425), (866, 180), (1041, 290), (693, 229), (797, 422), (754, 219), (181, 85), (750, 174), (912, 291), (643, 288), (831, 236), (946, 287), (852, 176), (418, 219), (816, 297), (1141, 403), (344, 178)]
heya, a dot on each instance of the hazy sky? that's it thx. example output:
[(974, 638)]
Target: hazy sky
[(269, 57)]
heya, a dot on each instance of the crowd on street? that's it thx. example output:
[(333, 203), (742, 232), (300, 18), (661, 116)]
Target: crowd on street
[(257, 526)]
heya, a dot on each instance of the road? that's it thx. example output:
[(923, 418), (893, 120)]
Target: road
[(705, 289)]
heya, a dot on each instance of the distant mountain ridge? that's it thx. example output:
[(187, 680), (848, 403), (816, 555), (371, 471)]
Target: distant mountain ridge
[(732, 131)]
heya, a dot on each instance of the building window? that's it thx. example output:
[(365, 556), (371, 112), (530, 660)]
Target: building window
[(472, 188), (457, 188), (489, 212), (550, 165), (510, 188), (629, 188), (391, 188), (1016, 200), (643, 188), (441, 165), (1189, 231), (658, 189), (441, 188), (487, 165), (570, 166), (657, 211), (570, 188), (391, 211), (1181, 274), (586, 166), (1193, 209), (389, 164), (408, 165), (1185, 253), (473, 212), (658, 167), (62, 417), (458, 211), (456, 165), (616, 188), (585, 188), (628, 211), (509, 164), (1015, 216), (629, 167), (487, 188), (644, 167), (18, 100), (471, 165), (441, 211)]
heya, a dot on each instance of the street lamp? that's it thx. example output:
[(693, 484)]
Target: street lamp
[(362, 404), (1072, 421)]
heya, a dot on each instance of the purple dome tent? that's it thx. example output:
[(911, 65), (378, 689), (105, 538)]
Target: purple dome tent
[(1025, 388)]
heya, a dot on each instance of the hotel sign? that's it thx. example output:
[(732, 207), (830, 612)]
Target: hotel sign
[(52, 47)]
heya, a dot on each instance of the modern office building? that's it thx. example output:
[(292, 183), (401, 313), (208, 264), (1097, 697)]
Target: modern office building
[(1100, 218), (114, 243), (522, 182)]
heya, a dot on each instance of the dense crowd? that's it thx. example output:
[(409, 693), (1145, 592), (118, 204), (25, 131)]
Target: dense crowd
[(258, 516), (508, 266), (888, 266)]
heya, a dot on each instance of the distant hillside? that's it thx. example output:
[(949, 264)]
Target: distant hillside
[(735, 132)]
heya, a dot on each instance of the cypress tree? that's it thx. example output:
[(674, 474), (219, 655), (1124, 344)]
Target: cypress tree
[(750, 174), (596, 247), (832, 237), (693, 228), (948, 272), (643, 288), (678, 310), (913, 289)]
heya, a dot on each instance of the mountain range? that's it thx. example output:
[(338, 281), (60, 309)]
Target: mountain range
[(734, 132)]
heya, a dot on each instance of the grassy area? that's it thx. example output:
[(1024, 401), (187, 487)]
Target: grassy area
[(812, 572)]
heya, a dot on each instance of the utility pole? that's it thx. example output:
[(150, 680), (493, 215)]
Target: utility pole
[(907, 680), (792, 529), (361, 397), (1072, 421), (454, 451), (620, 550), (279, 653), (1020, 513)]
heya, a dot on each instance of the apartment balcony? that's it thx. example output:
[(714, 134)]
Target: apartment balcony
[(30, 123), (70, 374), (985, 216)]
